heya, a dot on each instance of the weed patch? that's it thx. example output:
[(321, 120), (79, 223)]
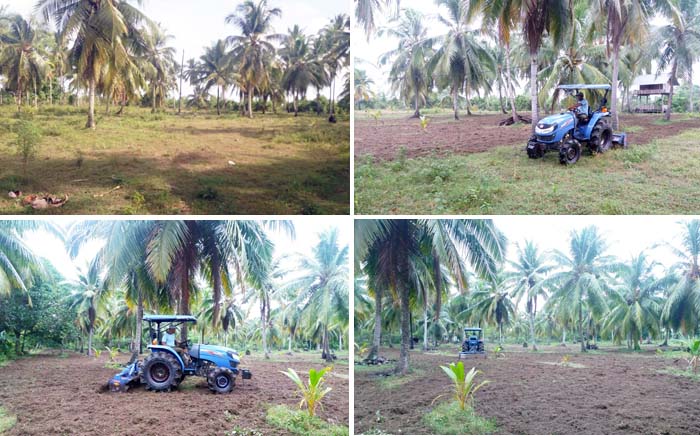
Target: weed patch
[(300, 423), (448, 418)]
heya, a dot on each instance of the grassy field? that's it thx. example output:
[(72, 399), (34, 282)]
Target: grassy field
[(655, 178), (143, 163)]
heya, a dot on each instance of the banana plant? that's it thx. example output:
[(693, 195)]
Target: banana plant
[(694, 350), (313, 392), (464, 386)]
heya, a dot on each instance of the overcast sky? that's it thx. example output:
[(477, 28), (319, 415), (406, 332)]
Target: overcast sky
[(196, 24), (367, 54)]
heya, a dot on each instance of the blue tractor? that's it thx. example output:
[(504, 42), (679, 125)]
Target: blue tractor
[(569, 131), (473, 342), (166, 367)]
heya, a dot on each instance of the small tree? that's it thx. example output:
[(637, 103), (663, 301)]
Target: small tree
[(463, 384), (313, 393), (27, 142)]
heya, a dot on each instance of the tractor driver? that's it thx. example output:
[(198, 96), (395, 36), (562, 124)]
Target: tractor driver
[(170, 341), (581, 108)]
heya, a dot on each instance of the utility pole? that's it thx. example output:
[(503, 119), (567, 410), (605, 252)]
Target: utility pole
[(182, 73)]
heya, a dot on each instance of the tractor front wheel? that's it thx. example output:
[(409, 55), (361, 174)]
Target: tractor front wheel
[(221, 380), (569, 153), (161, 371)]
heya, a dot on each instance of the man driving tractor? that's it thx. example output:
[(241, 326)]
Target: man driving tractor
[(581, 108), (169, 340)]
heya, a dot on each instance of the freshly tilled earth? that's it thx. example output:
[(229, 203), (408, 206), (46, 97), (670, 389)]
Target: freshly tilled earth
[(387, 140), (609, 393), (54, 395)]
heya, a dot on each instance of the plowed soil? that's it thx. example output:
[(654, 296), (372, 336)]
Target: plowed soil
[(61, 395), (607, 393), (384, 139)]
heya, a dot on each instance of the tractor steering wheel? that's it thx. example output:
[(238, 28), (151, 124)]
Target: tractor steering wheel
[(185, 344)]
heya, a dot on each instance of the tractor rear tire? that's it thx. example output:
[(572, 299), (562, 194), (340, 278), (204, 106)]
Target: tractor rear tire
[(569, 153), (601, 138), (161, 371), (221, 380)]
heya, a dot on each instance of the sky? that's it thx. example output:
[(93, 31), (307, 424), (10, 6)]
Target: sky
[(196, 24), (367, 53), (307, 230)]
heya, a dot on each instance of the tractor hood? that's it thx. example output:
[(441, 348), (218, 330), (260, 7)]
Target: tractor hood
[(559, 120), (215, 352)]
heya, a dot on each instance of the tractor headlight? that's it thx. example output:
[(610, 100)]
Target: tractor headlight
[(543, 129)]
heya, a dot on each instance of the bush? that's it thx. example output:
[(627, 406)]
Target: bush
[(298, 422), (27, 141)]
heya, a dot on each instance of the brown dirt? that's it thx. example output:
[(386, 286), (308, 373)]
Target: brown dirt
[(615, 393), (444, 136), (55, 395)]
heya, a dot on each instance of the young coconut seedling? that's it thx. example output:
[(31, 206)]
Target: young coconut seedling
[(313, 392), (424, 123), (464, 386)]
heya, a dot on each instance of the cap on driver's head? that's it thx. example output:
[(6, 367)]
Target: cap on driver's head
[(171, 327), (579, 94)]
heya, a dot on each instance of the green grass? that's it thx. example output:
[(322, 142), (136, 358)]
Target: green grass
[(448, 418), (657, 178), (7, 420), (300, 423), (670, 370), (169, 164)]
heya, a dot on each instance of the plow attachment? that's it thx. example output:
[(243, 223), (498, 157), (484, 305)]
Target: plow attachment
[(125, 379)]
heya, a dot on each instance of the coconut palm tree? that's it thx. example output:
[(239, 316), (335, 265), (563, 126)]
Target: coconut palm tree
[(626, 23), (529, 270), (20, 60), (635, 306), (491, 303), (301, 69), (539, 17), (254, 45), (334, 39), (581, 283), (160, 58), (89, 292), (97, 31), (409, 61), (18, 264), (401, 244), (366, 10), (323, 287), (682, 308), (215, 69), (461, 59), (363, 85)]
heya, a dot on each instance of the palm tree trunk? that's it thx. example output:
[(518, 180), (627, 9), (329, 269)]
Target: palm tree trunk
[(469, 101), (533, 91), (218, 106), (326, 346), (89, 348), (425, 327), (406, 340), (615, 81), (50, 93), (563, 336), (139, 330), (690, 91), (377, 337), (296, 104), (36, 95), (580, 326), (455, 101), (532, 330), (290, 343), (674, 69), (153, 102), (91, 108), (500, 333), (250, 101), (500, 96), (416, 114)]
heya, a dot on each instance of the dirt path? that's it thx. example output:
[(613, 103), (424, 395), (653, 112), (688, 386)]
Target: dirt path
[(384, 139), (613, 393), (55, 395)]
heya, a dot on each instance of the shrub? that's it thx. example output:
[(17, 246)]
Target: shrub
[(694, 360), (448, 418), (313, 392), (27, 141), (464, 386)]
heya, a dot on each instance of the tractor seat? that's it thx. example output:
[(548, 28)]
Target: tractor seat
[(194, 351)]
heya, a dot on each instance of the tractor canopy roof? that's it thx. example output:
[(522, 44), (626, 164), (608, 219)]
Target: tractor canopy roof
[(170, 318), (582, 86), (472, 329)]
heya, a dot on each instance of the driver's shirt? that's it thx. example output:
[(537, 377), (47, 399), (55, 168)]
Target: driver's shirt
[(583, 109), (169, 339)]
